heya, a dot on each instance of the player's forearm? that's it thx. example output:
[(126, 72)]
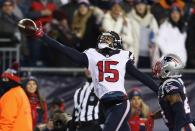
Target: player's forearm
[(157, 115), (75, 55), (133, 71)]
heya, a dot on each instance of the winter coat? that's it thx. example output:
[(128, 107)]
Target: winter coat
[(15, 112), (37, 7), (143, 27), (39, 115), (171, 40), (137, 123)]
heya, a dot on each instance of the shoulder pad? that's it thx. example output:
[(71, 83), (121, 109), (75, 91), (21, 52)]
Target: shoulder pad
[(131, 56), (172, 86)]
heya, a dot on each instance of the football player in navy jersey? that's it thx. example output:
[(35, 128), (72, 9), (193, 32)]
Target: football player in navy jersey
[(173, 100), (108, 64)]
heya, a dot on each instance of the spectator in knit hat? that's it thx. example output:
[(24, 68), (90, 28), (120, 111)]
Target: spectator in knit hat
[(37, 103), (15, 112), (140, 119)]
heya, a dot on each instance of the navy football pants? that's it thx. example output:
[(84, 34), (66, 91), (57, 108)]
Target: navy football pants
[(117, 117)]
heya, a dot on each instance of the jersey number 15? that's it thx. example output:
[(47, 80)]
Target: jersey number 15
[(105, 67)]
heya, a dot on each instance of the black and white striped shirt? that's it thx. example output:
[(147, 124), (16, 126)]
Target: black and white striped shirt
[(86, 104)]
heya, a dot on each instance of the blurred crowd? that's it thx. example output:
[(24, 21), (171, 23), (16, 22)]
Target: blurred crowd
[(149, 28)]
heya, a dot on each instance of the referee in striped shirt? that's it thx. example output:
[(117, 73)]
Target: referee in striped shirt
[(87, 115)]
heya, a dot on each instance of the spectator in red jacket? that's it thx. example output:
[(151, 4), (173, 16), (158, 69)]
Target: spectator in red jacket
[(38, 105), (41, 10), (140, 119)]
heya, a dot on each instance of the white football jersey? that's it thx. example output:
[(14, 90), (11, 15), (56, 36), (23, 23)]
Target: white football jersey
[(108, 72)]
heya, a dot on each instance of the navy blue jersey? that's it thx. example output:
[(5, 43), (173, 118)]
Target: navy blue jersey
[(170, 87)]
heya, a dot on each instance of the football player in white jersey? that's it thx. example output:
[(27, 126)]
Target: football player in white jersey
[(108, 64), (173, 100)]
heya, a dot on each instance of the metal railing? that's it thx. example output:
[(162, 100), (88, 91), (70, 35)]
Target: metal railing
[(31, 70), (8, 55)]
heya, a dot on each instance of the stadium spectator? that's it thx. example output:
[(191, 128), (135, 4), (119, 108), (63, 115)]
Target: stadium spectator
[(160, 9), (85, 26), (8, 22), (127, 5), (41, 10), (140, 113), (38, 105), (113, 19), (15, 112), (69, 10), (116, 21), (172, 35), (49, 126), (61, 121), (17, 11), (190, 46), (145, 29), (56, 104)]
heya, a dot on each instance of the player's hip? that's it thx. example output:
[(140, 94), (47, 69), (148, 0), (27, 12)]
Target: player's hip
[(112, 98)]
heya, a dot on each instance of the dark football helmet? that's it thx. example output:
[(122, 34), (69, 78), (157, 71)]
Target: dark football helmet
[(110, 39)]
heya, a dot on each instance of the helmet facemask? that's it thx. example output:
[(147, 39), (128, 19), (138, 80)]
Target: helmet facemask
[(105, 40), (156, 69), (110, 39)]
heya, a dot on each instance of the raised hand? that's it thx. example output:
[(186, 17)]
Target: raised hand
[(31, 29)]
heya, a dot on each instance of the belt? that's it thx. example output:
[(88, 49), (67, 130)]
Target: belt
[(82, 124)]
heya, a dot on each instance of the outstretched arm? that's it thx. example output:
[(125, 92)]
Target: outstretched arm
[(76, 56), (133, 71), (35, 30)]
